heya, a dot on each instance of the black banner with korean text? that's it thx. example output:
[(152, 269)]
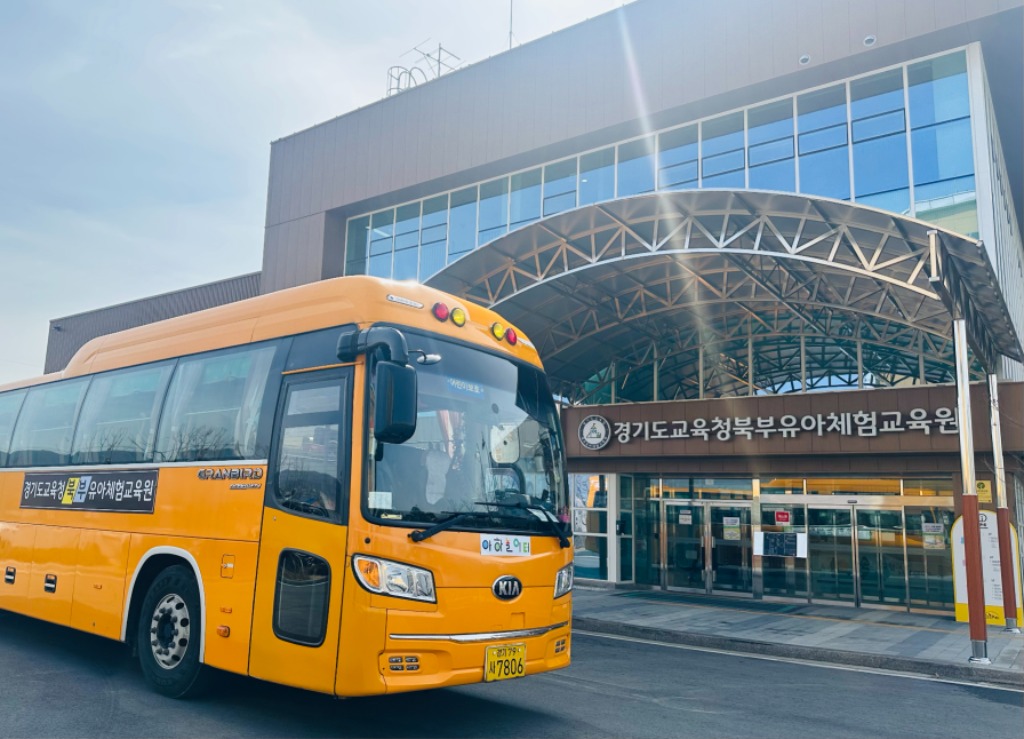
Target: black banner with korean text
[(120, 491)]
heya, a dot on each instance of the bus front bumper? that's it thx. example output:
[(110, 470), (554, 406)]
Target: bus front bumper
[(414, 661)]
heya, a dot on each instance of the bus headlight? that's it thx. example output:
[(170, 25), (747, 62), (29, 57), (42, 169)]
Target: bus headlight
[(394, 578), (563, 581)]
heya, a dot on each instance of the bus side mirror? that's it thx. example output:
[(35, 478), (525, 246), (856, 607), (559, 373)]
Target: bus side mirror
[(394, 419)]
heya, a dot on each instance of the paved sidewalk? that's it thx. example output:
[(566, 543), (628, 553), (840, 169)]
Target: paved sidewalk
[(893, 640)]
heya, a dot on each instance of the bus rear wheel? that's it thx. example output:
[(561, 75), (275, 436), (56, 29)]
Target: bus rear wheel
[(170, 631)]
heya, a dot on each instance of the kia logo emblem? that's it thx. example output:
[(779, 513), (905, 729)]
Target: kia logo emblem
[(507, 587)]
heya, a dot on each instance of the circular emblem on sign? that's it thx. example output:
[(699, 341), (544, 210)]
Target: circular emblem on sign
[(595, 432)]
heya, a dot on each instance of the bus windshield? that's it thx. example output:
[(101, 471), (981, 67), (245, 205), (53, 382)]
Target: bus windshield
[(487, 443)]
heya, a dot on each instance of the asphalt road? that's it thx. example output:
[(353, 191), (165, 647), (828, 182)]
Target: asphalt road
[(55, 682)]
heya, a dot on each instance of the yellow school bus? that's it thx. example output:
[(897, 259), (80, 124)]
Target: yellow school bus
[(354, 487)]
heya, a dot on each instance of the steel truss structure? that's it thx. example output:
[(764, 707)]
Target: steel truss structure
[(715, 293)]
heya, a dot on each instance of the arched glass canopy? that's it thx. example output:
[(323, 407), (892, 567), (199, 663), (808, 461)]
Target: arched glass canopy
[(717, 293)]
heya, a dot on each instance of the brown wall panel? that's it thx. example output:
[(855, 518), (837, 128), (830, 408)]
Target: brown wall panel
[(895, 452)]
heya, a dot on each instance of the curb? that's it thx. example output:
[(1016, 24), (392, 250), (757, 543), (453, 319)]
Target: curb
[(966, 673)]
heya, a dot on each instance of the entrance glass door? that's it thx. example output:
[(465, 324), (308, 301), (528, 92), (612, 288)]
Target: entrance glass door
[(684, 554), (706, 546), (830, 553), (880, 560), (856, 554), (731, 548)]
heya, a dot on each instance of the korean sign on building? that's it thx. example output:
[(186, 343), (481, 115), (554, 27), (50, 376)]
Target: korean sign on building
[(726, 428)]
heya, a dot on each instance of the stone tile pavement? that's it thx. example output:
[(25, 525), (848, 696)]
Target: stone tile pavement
[(895, 640)]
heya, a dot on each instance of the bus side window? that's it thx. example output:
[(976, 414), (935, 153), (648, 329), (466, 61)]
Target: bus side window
[(10, 404), (312, 446), (213, 406), (42, 436), (119, 414)]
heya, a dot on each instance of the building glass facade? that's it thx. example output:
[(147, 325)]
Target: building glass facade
[(862, 541), (898, 139)]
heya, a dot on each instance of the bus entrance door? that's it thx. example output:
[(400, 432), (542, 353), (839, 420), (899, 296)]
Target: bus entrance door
[(296, 619)]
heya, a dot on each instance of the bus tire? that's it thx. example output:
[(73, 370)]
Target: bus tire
[(170, 634)]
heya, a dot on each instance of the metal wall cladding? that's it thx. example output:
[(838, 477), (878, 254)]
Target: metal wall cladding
[(67, 335), (608, 77)]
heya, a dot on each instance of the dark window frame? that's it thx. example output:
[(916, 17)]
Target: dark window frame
[(346, 374)]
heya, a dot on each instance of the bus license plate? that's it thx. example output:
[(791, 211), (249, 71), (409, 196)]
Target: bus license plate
[(505, 662)]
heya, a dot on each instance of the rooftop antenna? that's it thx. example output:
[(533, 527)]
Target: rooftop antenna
[(436, 62)]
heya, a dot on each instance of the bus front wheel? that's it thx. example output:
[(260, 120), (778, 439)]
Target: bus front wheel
[(169, 636)]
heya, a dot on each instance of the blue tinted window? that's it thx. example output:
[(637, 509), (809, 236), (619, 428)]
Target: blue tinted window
[(636, 167), (880, 93), (942, 151), (524, 201), (823, 143), (722, 159), (405, 266), (597, 176), (493, 219), (932, 191), (779, 175), (722, 134), (770, 122), (433, 234), (357, 246), (432, 259), (382, 232), (771, 151), (382, 235), (407, 237), (380, 265), (938, 90), (728, 179), (677, 158), (940, 137), (679, 177), (434, 224), (821, 109), (823, 138), (462, 223), (407, 226), (880, 176), (720, 163), (880, 166), (826, 173), (897, 201), (559, 187), (882, 124)]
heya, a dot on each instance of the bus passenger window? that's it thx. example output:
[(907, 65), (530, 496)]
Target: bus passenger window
[(118, 415), (10, 404), (43, 434), (310, 448), (213, 406)]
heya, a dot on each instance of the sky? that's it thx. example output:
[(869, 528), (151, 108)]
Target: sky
[(135, 136)]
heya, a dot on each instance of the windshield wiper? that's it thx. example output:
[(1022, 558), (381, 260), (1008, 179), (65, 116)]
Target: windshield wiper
[(547, 517), (453, 518)]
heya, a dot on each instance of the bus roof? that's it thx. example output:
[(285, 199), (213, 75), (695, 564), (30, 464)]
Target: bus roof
[(342, 300)]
